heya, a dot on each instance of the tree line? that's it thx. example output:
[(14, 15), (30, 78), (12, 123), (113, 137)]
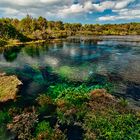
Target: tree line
[(40, 28)]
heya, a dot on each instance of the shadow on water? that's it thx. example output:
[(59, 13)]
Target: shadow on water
[(74, 132), (10, 54), (133, 91), (125, 89), (129, 90)]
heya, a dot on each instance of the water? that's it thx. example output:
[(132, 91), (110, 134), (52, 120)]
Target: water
[(77, 60)]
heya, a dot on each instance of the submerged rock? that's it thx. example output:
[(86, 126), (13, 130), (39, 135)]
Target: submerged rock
[(8, 87)]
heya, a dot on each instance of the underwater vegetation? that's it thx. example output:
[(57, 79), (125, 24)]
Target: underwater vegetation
[(74, 112)]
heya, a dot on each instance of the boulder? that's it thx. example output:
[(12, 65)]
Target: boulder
[(9, 86)]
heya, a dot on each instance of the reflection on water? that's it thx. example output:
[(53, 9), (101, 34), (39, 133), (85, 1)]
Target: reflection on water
[(117, 60)]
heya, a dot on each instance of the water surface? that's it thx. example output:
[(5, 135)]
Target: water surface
[(77, 59)]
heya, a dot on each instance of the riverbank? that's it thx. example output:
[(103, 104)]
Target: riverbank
[(11, 43), (125, 38), (17, 43)]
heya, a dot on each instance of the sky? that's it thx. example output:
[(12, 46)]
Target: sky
[(83, 11)]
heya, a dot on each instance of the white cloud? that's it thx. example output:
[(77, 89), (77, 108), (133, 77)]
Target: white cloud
[(104, 5), (124, 14), (54, 9), (75, 8), (122, 4), (88, 6)]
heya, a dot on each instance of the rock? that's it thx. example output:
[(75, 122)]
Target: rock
[(8, 87)]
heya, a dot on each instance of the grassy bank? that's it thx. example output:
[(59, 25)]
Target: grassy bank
[(17, 42)]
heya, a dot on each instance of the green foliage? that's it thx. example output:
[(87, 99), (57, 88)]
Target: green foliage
[(4, 117), (100, 117), (108, 86), (123, 102), (91, 108), (45, 132), (43, 127), (113, 126), (8, 31), (69, 92)]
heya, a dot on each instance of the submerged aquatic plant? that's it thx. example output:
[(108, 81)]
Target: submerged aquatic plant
[(44, 100), (4, 116), (124, 102), (23, 124), (45, 131)]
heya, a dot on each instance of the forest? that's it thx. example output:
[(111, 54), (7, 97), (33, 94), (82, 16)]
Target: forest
[(33, 29)]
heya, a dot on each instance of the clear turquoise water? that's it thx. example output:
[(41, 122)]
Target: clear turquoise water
[(76, 60)]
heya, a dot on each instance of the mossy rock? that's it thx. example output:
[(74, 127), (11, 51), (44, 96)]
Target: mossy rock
[(8, 87)]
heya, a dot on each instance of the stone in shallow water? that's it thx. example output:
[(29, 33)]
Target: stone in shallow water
[(8, 87)]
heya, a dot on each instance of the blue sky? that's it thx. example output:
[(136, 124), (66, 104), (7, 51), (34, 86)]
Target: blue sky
[(84, 11)]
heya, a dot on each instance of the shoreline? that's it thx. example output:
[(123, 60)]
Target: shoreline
[(134, 38), (33, 42)]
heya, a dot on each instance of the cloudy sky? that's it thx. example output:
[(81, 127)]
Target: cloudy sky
[(84, 11)]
